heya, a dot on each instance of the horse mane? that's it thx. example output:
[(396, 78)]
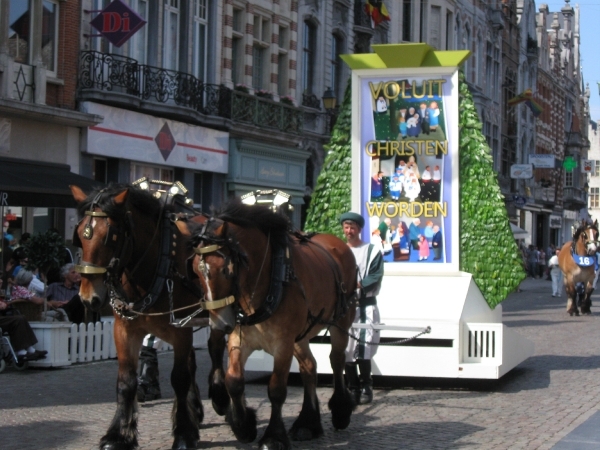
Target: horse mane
[(139, 198), (273, 224)]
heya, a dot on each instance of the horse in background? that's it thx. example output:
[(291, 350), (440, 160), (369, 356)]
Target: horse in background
[(286, 288), (577, 260), (134, 253)]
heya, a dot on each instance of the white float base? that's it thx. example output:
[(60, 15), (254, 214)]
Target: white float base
[(467, 338)]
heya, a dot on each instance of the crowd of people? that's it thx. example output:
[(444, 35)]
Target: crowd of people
[(21, 283)]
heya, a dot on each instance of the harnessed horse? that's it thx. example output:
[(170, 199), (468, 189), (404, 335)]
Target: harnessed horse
[(577, 260), (286, 289), (134, 252)]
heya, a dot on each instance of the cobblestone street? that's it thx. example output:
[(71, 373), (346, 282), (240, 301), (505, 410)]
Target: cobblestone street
[(535, 406)]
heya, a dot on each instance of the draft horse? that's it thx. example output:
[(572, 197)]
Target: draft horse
[(577, 260), (287, 287), (134, 251)]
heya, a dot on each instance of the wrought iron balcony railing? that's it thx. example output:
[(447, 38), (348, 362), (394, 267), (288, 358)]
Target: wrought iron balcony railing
[(120, 74)]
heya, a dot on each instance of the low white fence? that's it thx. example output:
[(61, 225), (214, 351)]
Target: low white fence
[(68, 344)]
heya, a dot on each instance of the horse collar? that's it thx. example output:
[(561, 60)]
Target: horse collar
[(583, 260)]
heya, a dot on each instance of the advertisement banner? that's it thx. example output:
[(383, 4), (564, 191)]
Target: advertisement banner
[(521, 171), (406, 164)]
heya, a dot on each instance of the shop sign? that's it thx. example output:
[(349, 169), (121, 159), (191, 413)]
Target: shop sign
[(555, 222), (540, 161), (587, 166), (521, 171), (117, 23), (519, 200), (143, 138)]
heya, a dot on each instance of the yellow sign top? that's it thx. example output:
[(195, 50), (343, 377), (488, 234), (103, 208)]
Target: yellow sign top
[(389, 56)]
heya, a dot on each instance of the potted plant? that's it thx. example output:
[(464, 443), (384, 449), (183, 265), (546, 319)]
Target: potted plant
[(45, 252), (287, 99), (242, 88), (264, 94)]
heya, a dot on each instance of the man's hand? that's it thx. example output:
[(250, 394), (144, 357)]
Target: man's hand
[(3, 305)]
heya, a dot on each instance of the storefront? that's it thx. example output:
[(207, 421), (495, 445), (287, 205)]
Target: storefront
[(129, 145), (254, 165)]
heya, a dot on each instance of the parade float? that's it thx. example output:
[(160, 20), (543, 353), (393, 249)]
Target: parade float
[(408, 154)]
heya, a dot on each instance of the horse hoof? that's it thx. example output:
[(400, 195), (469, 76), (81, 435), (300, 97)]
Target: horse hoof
[(117, 446), (181, 444), (272, 444)]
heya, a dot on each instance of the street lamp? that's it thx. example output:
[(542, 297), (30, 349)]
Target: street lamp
[(329, 102)]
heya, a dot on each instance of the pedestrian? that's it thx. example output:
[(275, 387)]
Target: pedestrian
[(148, 384), (556, 274), (363, 345), (532, 261), (67, 292), (542, 264)]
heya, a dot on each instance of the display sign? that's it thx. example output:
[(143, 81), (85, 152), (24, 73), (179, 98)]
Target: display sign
[(555, 222), (519, 201), (405, 160), (540, 161), (521, 171)]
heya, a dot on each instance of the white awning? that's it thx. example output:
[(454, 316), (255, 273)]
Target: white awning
[(518, 233)]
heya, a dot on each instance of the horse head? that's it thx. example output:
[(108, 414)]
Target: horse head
[(217, 263), (587, 236), (105, 235)]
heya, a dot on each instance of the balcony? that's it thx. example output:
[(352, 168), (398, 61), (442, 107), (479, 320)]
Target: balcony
[(120, 81), (574, 198)]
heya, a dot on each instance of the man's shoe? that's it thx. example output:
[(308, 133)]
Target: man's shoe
[(356, 393), (366, 395), (146, 392), (38, 354)]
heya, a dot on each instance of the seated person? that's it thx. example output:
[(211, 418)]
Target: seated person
[(67, 292), (21, 291), (22, 337)]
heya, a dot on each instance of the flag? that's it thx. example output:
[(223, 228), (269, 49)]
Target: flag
[(535, 107), (527, 97), (377, 11)]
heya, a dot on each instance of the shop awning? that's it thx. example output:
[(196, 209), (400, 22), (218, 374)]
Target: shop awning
[(38, 184), (518, 233)]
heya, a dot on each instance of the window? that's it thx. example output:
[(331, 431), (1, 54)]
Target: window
[(99, 44), (50, 35), (237, 47), (568, 179), (283, 61), (199, 44), (594, 198), (171, 35), (260, 53), (23, 17), (336, 66), (406, 20), (138, 43), (596, 170), (19, 35), (309, 41), (152, 172)]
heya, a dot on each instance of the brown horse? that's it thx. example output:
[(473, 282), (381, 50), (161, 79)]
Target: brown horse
[(577, 260), (286, 289), (134, 251)]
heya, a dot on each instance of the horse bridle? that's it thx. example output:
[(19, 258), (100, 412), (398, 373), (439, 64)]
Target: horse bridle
[(116, 238), (585, 237)]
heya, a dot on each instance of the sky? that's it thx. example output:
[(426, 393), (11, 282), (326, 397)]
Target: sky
[(590, 62)]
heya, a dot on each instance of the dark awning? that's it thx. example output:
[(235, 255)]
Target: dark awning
[(39, 184)]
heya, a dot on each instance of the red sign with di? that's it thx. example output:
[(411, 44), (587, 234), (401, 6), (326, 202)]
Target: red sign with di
[(117, 22)]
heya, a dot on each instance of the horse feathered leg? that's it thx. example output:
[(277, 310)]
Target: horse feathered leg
[(185, 431), (217, 391), (122, 432), (275, 437), (308, 424), (240, 418), (342, 402), (571, 299), (193, 398)]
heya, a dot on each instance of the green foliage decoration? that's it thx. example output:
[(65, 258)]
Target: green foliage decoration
[(45, 251), (331, 197), (487, 247)]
